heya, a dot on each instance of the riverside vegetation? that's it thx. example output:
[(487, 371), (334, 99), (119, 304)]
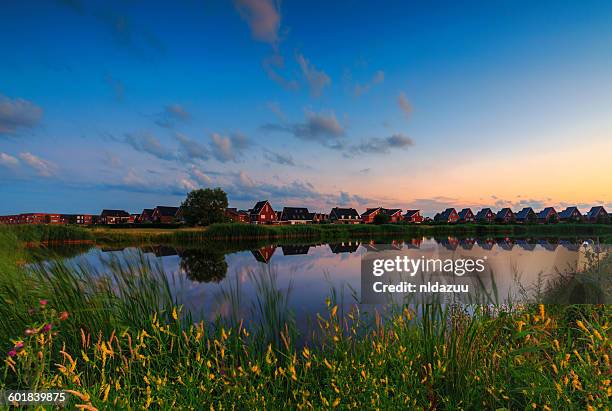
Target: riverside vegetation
[(116, 339), (329, 232)]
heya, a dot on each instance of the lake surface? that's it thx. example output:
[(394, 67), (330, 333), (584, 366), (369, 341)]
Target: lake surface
[(212, 283)]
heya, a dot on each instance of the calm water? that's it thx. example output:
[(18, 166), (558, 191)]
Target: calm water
[(304, 274)]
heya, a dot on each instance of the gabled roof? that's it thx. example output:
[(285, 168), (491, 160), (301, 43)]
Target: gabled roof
[(258, 207), (463, 213), (114, 213), (446, 213), (546, 212), (594, 211), (339, 212), (295, 213), (567, 213), (503, 212), (410, 213), (524, 213), (391, 211), (483, 213), (147, 211), (371, 211), (166, 211)]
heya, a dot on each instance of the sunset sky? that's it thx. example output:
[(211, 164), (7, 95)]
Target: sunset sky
[(131, 104)]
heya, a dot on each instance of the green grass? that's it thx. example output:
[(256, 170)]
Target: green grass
[(123, 344), (337, 232)]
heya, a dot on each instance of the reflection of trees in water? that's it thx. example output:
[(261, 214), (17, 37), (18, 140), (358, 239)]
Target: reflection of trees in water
[(203, 265)]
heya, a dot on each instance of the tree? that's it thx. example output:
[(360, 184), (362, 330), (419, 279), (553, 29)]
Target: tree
[(203, 266), (205, 206), (381, 218)]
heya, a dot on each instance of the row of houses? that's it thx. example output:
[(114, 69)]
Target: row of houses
[(159, 214), (264, 213), (527, 215)]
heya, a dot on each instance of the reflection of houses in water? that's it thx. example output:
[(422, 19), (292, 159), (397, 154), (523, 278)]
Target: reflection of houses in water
[(415, 243), (374, 246), (526, 244), (547, 244), (467, 243), (570, 245), (344, 247), (505, 244), (295, 249), (450, 243), (264, 254), (486, 243)]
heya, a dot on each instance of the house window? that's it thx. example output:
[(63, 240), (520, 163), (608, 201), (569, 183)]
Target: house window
[(263, 216)]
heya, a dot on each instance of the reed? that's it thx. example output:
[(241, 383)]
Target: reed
[(115, 338)]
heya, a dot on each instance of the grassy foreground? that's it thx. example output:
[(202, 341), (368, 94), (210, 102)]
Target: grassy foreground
[(117, 340)]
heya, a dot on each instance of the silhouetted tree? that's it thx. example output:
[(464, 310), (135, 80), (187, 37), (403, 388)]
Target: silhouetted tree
[(205, 206), (203, 265), (381, 218)]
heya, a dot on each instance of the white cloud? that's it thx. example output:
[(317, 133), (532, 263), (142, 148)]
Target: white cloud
[(262, 17), (228, 148), (43, 167), (7, 160), (16, 114)]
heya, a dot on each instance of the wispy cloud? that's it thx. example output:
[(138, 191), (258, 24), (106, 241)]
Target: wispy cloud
[(228, 148), (7, 160), (263, 18), (17, 114), (42, 167), (323, 128), (273, 65), (317, 79), (201, 176), (172, 114), (384, 145), (361, 89), (404, 104), (279, 158), (147, 143), (190, 149)]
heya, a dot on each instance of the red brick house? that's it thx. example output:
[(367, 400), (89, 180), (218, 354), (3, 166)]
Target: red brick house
[(344, 216), (466, 216), (505, 215), (237, 216), (526, 216), (262, 213), (570, 214), (164, 214), (114, 216), (394, 214), (295, 215), (598, 215), (447, 216), (368, 216), (146, 216), (413, 216), (319, 217), (548, 215), (485, 216)]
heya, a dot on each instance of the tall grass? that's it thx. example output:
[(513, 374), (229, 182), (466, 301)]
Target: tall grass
[(122, 343)]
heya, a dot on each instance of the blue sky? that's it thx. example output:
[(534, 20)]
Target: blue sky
[(132, 104)]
